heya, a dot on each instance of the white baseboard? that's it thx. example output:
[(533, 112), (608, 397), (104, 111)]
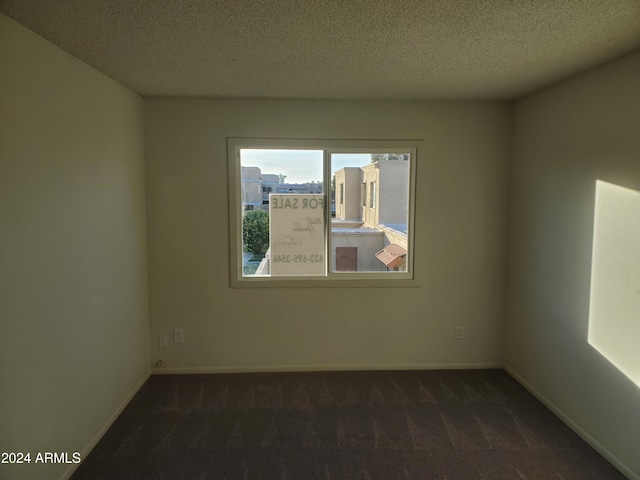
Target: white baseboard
[(322, 368), (106, 426), (574, 426)]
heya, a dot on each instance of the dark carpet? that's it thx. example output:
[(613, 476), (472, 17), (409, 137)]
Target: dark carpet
[(431, 425)]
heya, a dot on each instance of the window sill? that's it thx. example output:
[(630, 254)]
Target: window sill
[(323, 282)]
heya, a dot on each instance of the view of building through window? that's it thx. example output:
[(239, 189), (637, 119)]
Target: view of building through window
[(361, 220), (369, 231)]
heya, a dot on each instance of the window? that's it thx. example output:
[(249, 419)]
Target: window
[(293, 234), (372, 195)]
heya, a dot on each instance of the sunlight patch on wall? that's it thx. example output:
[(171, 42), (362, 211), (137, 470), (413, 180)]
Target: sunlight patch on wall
[(614, 313)]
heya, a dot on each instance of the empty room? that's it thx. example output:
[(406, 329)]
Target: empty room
[(319, 240)]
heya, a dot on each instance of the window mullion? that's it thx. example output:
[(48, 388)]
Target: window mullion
[(327, 213)]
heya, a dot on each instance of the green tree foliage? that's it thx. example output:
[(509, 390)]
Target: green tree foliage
[(281, 178), (386, 156), (255, 231)]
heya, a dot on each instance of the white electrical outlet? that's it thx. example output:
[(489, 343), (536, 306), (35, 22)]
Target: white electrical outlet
[(163, 341), (178, 335), (459, 333)]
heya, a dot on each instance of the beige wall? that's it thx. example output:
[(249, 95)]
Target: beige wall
[(565, 138), (460, 241), (394, 236), (73, 287), (368, 244), (251, 186), (393, 191), (371, 178), (350, 208)]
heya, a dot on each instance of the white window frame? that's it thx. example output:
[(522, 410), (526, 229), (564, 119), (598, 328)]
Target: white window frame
[(332, 279)]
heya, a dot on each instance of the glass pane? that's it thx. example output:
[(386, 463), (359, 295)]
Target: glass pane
[(288, 182), (369, 231), (297, 239)]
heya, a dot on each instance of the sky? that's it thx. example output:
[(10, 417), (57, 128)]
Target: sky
[(300, 166)]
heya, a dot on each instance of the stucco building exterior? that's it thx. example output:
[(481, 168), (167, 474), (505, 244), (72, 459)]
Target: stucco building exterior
[(370, 230)]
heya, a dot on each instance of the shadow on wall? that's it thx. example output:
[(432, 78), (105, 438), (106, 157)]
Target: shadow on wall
[(614, 310)]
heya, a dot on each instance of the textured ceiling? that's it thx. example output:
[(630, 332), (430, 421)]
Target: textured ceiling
[(388, 49)]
